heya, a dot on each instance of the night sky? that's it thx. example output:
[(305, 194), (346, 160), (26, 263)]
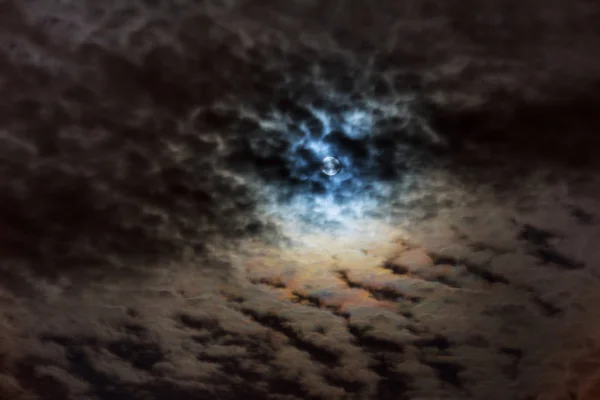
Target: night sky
[(166, 231)]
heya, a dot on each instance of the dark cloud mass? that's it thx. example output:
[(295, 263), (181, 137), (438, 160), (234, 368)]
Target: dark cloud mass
[(166, 230)]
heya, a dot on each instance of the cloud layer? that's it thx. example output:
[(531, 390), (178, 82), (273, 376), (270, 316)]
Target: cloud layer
[(166, 232)]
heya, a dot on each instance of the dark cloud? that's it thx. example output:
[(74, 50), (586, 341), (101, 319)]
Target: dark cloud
[(166, 231), (130, 157)]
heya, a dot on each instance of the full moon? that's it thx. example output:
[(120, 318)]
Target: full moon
[(330, 166)]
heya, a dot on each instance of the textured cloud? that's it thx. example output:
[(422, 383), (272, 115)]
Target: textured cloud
[(165, 231)]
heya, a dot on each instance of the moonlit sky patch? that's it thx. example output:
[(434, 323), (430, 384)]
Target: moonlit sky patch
[(380, 164)]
